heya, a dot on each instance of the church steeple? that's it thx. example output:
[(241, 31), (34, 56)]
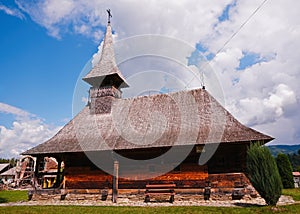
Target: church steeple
[(106, 72), (105, 78)]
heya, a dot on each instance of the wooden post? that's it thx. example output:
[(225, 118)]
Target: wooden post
[(115, 182), (36, 171), (58, 175)]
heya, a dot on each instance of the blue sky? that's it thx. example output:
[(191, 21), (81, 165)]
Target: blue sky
[(45, 45), (38, 71)]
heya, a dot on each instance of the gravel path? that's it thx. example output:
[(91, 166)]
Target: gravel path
[(179, 201)]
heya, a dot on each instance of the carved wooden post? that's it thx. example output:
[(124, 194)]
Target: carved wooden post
[(115, 182)]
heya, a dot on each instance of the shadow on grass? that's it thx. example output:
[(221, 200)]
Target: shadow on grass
[(239, 204), (3, 200)]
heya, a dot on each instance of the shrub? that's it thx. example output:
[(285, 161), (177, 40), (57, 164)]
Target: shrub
[(263, 173), (285, 170)]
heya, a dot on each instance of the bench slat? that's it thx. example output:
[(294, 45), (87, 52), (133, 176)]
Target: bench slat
[(160, 186)]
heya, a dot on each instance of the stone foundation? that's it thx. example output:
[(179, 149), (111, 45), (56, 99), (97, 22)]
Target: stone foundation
[(222, 187), (218, 194)]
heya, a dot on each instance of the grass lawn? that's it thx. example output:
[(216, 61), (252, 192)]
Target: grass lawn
[(295, 193), (169, 210), (12, 196)]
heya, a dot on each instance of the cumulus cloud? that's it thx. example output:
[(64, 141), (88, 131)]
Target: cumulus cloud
[(26, 131), (129, 17), (257, 111), (262, 94)]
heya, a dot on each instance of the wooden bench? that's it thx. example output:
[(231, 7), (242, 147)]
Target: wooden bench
[(160, 189)]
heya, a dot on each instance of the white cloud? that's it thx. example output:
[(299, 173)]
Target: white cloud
[(8, 109), (257, 111), (283, 96), (84, 100), (11, 11), (264, 95), (26, 131), (129, 17)]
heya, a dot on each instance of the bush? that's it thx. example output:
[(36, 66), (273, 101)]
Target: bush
[(285, 170), (263, 173)]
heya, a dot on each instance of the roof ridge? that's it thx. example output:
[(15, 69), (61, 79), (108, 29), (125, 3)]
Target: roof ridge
[(162, 94)]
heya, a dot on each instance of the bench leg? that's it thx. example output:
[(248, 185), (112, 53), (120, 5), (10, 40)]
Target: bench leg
[(147, 198), (172, 199)]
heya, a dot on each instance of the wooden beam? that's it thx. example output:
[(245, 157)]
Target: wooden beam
[(115, 182)]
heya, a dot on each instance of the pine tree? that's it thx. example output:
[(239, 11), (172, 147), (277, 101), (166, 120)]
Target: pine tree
[(263, 173), (285, 170)]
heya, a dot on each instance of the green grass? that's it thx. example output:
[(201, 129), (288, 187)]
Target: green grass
[(12, 196), (169, 210), (295, 193)]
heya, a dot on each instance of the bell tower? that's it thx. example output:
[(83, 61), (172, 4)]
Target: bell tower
[(105, 78)]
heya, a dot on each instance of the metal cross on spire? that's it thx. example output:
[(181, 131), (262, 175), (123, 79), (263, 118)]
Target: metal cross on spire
[(109, 15)]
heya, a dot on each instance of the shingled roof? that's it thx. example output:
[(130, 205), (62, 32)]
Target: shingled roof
[(162, 120)]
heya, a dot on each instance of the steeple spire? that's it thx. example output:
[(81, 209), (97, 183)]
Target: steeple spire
[(106, 72)]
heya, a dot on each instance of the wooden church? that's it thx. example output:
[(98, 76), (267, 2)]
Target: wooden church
[(111, 129)]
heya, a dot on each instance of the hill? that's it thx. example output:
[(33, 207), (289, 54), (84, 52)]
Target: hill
[(286, 149)]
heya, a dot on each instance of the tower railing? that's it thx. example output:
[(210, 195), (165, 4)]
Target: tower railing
[(105, 91)]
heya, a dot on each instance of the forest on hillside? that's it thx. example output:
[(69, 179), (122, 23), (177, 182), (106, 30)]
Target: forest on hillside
[(295, 161), (292, 151)]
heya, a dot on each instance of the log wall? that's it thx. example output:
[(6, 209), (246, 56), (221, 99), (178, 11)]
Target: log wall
[(189, 176), (80, 173)]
